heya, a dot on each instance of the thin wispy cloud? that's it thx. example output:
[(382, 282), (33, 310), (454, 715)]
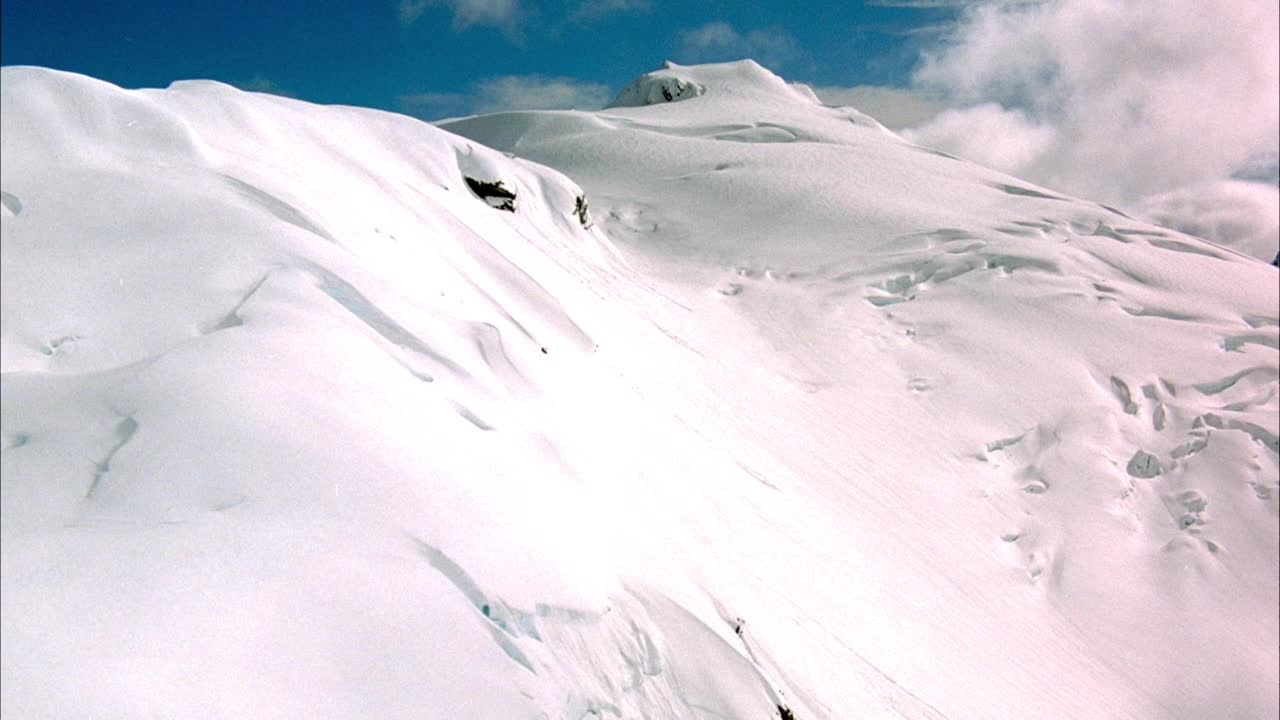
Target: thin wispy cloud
[(934, 29), (719, 41), (905, 31), (591, 10), (931, 31), (508, 92), (261, 84)]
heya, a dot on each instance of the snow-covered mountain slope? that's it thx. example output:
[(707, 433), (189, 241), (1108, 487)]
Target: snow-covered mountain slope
[(297, 424)]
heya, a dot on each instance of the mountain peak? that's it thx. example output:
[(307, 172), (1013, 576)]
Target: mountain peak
[(745, 79)]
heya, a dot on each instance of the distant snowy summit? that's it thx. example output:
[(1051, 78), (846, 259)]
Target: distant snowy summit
[(745, 79), (659, 86)]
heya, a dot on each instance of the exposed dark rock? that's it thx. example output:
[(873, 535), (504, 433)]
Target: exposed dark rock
[(580, 209), (494, 193), (1144, 465)]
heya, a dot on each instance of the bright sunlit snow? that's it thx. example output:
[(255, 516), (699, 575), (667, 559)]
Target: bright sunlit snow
[(747, 409)]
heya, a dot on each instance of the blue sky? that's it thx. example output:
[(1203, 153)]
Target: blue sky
[(436, 56)]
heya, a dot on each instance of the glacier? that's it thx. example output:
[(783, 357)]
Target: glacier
[(746, 407)]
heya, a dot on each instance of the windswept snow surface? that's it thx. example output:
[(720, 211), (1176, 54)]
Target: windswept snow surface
[(296, 425)]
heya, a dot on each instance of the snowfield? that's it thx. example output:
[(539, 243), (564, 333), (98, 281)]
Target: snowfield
[(746, 409)]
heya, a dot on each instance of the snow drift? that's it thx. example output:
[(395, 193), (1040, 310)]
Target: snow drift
[(299, 420)]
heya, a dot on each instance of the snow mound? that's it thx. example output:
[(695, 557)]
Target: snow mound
[(743, 79), (657, 87)]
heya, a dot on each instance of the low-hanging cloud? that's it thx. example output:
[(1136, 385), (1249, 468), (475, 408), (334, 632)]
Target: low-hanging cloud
[(895, 108), (991, 135), (1246, 212), (1135, 104)]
